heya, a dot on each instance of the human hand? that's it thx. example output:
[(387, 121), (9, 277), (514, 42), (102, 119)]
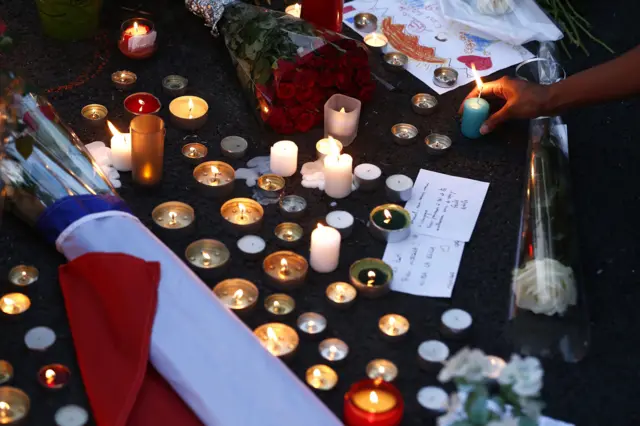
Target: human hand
[(522, 100)]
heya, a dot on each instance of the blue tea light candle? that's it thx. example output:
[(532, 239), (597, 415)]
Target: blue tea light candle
[(475, 113)]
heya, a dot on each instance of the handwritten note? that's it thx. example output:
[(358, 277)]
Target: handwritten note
[(424, 265), (445, 206)]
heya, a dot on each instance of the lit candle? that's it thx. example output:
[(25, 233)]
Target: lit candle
[(243, 215), (124, 80), (6, 372), (496, 365), (285, 270), (376, 40), (237, 294), (327, 146), (390, 223), (338, 175), (312, 324), (137, 38), (23, 275), (373, 403), (173, 219), (142, 103), (14, 405), (54, 376), (333, 350), (321, 377), (341, 295), (188, 112), (14, 303), (284, 158), (208, 257), (325, 249), (294, 10), (371, 277), (147, 149), (382, 369), (475, 112), (216, 178), (279, 304), (341, 117), (120, 149), (279, 339), (393, 326)]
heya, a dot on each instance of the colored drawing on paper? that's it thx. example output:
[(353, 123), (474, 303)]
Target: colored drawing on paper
[(409, 44), (482, 63), (475, 43), (348, 9)]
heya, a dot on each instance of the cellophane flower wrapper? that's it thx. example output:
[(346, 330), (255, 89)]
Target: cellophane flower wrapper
[(289, 68), (548, 315)]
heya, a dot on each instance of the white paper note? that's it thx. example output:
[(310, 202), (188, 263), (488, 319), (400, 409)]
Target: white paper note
[(424, 265), (445, 206)]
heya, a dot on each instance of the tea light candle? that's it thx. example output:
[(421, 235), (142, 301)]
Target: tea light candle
[(445, 77), (279, 304), (373, 403), (496, 365), (138, 38), (424, 104), (288, 234), (341, 295), (321, 377), (431, 354), (173, 216), (234, 146), (39, 338), (194, 152), (340, 220), (382, 369), (294, 10), (475, 111), (237, 294), (341, 117), (14, 405), (393, 326), (207, 257), (371, 277), (333, 350), (395, 61), (328, 146), (285, 270), (188, 112), (251, 246), (95, 114), (124, 80), (390, 223), (366, 22), (54, 376), (434, 399), (455, 323), (120, 149), (216, 178), (6, 374), (404, 134), (312, 324), (279, 339), (270, 185), (399, 188), (23, 275), (325, 249), (71, 415), (142, 103), (243, 215), (367, 176), (437, 144), (292, 207), (174, 85), (376, 40), (338, 176), (284, 158), (14, 303)]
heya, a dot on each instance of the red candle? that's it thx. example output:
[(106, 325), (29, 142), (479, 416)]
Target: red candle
[(142, 103), (324, 13), (373, 403), (54, 376), (138, 38)]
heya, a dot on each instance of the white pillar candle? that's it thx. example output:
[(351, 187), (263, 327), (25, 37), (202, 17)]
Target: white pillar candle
[(338, 176), (121, 152), (284, 158), (325, 249)]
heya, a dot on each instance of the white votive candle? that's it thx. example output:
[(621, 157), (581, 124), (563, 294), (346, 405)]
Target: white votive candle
[(120, 149), (367, 176), (342, 221), (456, 322), (399, 188), (433, 398), (338, 176), (284, 158), (325, 249)]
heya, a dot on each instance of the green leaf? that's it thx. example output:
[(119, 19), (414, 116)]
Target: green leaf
[(499, 402), (476, 407), (24, 145), (526, 421), (461, 423)]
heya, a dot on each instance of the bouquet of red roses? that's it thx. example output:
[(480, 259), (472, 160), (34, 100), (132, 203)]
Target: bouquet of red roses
[(288, 67)]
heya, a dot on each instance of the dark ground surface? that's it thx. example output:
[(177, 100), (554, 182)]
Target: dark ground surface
[(601, 390)]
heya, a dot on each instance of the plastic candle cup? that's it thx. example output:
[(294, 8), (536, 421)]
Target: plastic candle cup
[(373, 403), (475, 113), (141, 103), (284, 158), (138, 38), (147, 149), (120, 149), (325, 249), (54, 376)]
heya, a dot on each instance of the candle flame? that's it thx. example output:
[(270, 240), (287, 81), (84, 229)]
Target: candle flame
[(339, 289), (8, 302), (242, 209), (272, 334), (342, 110), (284, 266), (215, 170), (387, 216), (206, 256), (141, 102), (317, 372), (477, 77), (276, 304), (238, 294), (4, 406), (334, 148), (135, 27), (320, 226), (372, 278), (333, 349), (172, 217), (392, 321), (297, 7), (190, 105), (50, 376), (24, 274), (373, 397), (122, 75), (114, 131)]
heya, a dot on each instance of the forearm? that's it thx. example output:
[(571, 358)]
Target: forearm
[(612, 80)]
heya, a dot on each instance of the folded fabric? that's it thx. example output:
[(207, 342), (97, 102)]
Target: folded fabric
[(111, 304)]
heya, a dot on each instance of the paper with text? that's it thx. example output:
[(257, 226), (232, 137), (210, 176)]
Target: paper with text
[(424, 265), (445, 206)]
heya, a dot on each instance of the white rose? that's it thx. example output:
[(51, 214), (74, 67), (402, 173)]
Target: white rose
[(524, 375), (470, 364), (508, 421)]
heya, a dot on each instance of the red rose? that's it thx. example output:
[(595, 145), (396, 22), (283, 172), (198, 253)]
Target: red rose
[(3, 27), (294, 112), (287, 102), (305, 78), (363, 76), (329, 51), (366, 92), (286, 90), (318, 117), (309, 106), (318, 97), (276, 117), (347, 44), (326, 79), (343, 81), (305, 122), (316, 62), (286, 128), (284, 70), (304, 95)]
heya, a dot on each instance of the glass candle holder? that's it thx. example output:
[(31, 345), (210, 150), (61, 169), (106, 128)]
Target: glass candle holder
[(239, 295), (341, 117), (390, 223), (289, 234), (23, 275), (279, 339), (124, 80), (95, 114), (280, 305), (6, 372), (173, 218), (207, 257), (285, 270), (14, 405), (141, 103), (312, 324), (234, 147), (147, 149), (321, 377), (138, 38), (188, 112), (243, 215), (270, 186), (12, 304), (292, 207), (333, 350), (341, 295), (393, 326), (373, 403), (54, 376), (381, 369), (371, 277), (174, 85), (216, 179), (194, 152)]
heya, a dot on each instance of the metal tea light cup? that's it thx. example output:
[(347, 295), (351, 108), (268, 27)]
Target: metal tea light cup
[(23, 275), (124, 80), (175, 85), (404, 134), (243, 215), (390, 223), (215, 178), (424, 103), (95, 114), (208, 258), (445, 77), (366, 22), (285, 270), (194, 152), (289, 234), (270, 186), (395, 61), (367, 285), (437, 144), (292, 207), (173, 219), (280, 305), (239, 295)]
